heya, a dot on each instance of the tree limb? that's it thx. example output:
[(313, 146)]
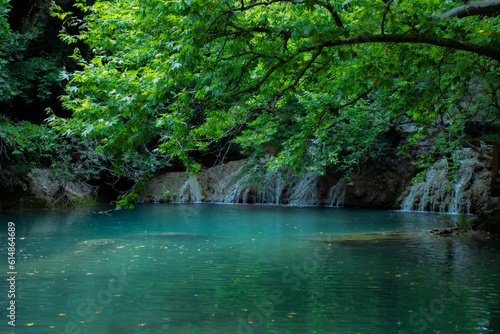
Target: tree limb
[(332, 12), (485, 7), (411, 38), (260, 82), (302, 72), (387, 9)]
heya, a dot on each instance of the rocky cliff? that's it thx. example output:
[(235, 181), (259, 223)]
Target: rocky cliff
[(387, 184), (42, 188), (245, 181)]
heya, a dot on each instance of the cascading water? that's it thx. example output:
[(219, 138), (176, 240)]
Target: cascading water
[(233, 187), (190, 191), (336, 194), (247, 185), (466, 194), (305, 191), (270, 191)]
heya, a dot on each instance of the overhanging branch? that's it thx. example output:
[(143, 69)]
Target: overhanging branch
[(485, 7), (411, 38)]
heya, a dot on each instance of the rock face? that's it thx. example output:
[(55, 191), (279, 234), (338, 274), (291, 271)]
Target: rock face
[(49, 187), (243, 182), (465, 192), (42, 188), (383, 185)]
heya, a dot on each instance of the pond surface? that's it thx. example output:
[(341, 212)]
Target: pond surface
[(207, 268)]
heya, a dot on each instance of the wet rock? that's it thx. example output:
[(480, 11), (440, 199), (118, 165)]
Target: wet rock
[(385, 184), (166, 235), (445, 232), (468, 193), (243, 182), (43, 188), (93, 245), (373, 237)]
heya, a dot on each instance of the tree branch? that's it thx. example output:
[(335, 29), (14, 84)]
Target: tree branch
[(411, 38), (485, 7), (302, 72), (382, 28), (332, 12), (335, 110), (261, 81)]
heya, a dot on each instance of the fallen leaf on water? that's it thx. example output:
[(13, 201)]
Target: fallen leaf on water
[(30, 324)]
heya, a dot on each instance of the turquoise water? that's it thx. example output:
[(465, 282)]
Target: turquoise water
[(207, 268)]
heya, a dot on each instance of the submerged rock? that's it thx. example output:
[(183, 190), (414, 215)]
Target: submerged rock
[(95, 242), (445, 231), (92, 245), (367, 237), (165, 235)]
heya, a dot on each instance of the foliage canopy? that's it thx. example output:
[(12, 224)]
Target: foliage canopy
[(319, 83), (31, 59)]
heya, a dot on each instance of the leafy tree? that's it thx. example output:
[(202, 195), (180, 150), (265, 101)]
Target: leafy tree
[(321, 82), (24, 146), (32, 58), (4, 34)]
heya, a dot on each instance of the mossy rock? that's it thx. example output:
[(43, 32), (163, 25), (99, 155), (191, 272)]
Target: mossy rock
[(373, 237), (93, 245), (166, 235)]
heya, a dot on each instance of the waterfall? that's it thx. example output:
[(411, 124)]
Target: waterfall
[(234, 187), (305, 190), (466, 194), (336, 194), (433, 194), (248, 184), (244, 181), (190, 191), (270, 191)]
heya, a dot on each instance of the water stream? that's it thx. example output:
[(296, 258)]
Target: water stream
[(208, 268)]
